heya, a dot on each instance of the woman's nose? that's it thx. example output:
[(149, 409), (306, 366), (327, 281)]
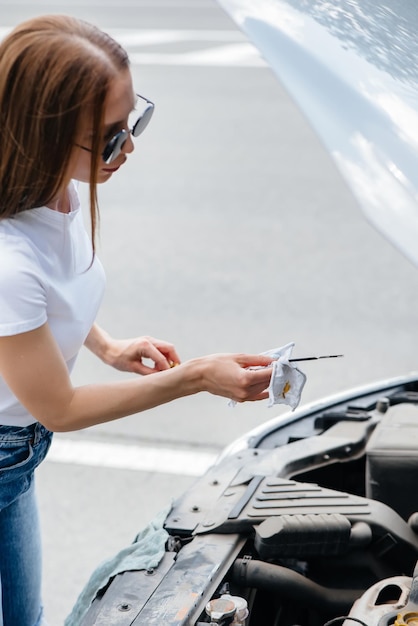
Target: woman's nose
[(128, 145)]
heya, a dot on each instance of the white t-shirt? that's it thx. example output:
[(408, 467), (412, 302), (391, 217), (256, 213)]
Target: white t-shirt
[(45, 276)]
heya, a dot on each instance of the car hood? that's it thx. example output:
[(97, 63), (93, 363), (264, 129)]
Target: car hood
[(352, 68)]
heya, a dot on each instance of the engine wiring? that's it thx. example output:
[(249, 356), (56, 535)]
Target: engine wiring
[(335, 620)]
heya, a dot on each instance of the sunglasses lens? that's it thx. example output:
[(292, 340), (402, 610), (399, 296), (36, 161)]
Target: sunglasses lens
[(143, 121), (114, 146)]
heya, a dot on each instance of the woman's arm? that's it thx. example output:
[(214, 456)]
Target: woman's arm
[(127, 354), (33, 368)]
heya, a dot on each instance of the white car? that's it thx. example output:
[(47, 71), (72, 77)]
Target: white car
[(311, 519)]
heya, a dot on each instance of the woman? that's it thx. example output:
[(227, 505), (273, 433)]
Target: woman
[(66, 94)]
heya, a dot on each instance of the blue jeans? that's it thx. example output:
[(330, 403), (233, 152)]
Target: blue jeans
[(21, 451)]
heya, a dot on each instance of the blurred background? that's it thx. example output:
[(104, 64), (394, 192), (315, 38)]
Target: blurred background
[(227, 230)]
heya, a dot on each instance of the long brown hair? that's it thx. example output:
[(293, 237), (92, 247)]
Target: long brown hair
[(53, 69)]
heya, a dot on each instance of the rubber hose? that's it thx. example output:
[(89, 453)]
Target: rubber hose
[(294, 586)]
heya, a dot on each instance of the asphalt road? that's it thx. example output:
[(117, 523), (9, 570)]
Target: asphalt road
[(227, 230)]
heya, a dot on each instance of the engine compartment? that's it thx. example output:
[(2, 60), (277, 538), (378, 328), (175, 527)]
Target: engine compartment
[(310, 523)]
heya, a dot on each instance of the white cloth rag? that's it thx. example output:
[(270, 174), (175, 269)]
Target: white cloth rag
[(286, 382)]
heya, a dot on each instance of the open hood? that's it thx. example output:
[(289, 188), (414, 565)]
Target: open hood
[(352, 68)]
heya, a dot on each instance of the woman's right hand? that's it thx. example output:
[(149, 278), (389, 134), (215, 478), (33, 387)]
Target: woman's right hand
[(231, 376)]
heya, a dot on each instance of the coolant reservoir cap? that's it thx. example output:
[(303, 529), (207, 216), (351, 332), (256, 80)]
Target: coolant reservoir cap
[(407, 619), (220, 608), (240, 607)]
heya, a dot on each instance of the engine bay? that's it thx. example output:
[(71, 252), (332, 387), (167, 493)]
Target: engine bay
[(310, 523)]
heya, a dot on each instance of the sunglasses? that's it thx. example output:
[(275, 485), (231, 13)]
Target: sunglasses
[(115, 144)]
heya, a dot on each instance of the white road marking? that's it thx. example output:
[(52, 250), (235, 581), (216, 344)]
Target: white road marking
[(234, 51), (225, 48), (233, 55), (153, 37), (130, 457)]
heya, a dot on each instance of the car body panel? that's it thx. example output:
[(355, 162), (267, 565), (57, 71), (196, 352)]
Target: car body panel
[(352, 68)]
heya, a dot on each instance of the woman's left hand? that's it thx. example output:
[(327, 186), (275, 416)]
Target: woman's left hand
[(128, 355)]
